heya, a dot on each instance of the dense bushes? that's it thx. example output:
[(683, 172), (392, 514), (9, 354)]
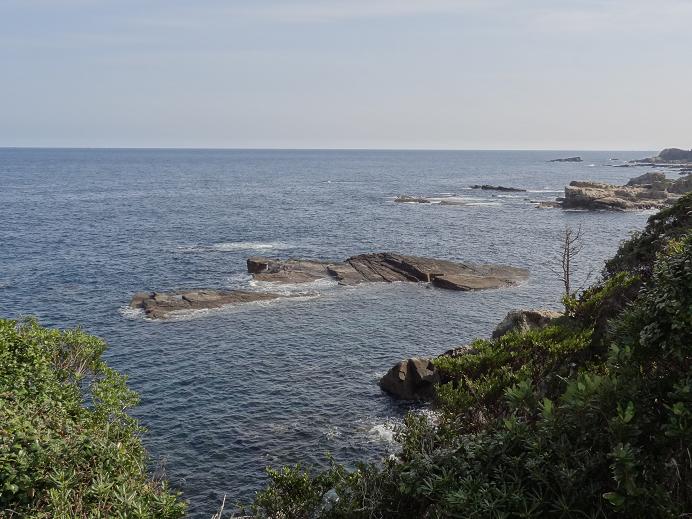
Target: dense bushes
[(67, 447), (590, 417)]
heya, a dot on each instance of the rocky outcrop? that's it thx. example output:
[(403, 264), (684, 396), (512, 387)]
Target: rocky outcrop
[(568, 159), (159, 305), (682, 185), (488, 187), (597, 196), (653, 180), (411, 379), (524, 320), (387, 267)]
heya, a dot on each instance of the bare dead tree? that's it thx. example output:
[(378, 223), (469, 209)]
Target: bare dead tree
[(571, 244)]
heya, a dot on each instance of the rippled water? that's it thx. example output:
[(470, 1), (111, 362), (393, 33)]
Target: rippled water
[(227, 392)]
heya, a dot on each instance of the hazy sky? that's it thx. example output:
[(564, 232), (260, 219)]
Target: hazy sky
[(538, 74)]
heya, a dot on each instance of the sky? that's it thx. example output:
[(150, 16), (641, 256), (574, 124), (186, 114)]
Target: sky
[(393, 74)]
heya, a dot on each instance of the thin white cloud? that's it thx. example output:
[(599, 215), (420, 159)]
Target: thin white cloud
[(326, 10)]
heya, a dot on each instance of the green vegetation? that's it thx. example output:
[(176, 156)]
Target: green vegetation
[(590, 417), (67, 447)]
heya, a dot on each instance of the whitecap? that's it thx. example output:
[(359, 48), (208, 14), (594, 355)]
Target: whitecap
[(232, 246)]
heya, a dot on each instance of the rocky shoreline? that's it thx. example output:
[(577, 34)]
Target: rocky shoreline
[(415, 378)]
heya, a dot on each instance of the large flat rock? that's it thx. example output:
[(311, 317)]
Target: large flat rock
[(159, 305), (388, 267)]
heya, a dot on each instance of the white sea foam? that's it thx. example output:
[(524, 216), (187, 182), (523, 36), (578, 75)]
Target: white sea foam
[(131, 313), (232, 246), (383, 432), (292, 289)]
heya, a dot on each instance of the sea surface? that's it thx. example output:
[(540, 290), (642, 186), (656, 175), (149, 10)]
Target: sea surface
[(227, 392)]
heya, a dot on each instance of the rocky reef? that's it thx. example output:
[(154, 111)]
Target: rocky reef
[(387, 267), (159, 305)]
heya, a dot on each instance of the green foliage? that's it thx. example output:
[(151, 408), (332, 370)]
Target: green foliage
[(68, 449), (637, 255), (560, 422)]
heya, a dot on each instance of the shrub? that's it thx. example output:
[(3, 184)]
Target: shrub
[(67, 446)]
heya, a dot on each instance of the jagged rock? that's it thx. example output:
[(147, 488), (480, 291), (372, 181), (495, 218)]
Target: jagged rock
[(568, 159), (411, 379), (524, 320), (388, 267), (488, 187), (159, 305)]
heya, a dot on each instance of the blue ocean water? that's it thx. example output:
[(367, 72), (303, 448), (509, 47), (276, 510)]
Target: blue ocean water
[(227, 392)]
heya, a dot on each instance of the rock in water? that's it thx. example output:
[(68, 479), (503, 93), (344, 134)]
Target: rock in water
[(406, 199), (595, 195), (159, 305), (568, 159), (411, 379), (523, 320), (488, 187), (388, 267)]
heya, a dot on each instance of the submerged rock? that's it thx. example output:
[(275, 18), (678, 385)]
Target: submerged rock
[(388, 267), (411, 379), (159, 305), (524, 320)]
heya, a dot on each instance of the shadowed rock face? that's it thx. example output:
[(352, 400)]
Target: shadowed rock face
[(387, 267), (158, 305), (411, 379)]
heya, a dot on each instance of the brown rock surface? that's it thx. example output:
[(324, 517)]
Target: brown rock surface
[(159, 305), (388, 267), (411, 379), (524, 320)]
